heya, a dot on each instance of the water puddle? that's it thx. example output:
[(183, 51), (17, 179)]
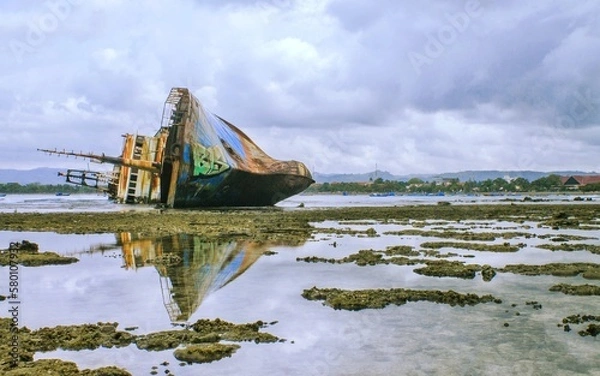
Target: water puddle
[(150, 284)]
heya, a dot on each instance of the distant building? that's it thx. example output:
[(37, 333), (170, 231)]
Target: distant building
[(443, 181), (575, 181)]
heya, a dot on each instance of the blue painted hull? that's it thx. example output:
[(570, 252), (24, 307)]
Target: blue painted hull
[(215, 164)]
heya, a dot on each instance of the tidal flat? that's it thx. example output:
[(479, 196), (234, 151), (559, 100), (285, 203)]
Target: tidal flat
[(424, 289)]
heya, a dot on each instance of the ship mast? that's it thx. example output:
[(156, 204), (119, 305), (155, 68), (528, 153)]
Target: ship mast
[(118, 161)]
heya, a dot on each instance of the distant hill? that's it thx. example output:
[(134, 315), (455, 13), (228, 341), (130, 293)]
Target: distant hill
[(461, 176), (353, 178), (494, 174), (47, 175), (42, 175)]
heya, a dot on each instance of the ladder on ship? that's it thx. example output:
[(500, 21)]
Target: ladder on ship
[(132, 196), (166, 289)]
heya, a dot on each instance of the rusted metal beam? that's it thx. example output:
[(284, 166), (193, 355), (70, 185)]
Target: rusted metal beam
[(102, 158)]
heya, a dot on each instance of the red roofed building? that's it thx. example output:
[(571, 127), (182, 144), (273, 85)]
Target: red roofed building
[(579, 180)]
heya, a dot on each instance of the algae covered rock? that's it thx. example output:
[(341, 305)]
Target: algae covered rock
[(365, 257), (234, 332), (105, 371), (588, 270), (580, 319), (27, 254), (592, 330), (205, 353), (487, 273), (202, 344), (444, 268), (401, 250), (355, 300), (79, 337), (591, 274), (481, 247), (170, 339), (57, 367), (27, 247), (50, 367), (576, 289)]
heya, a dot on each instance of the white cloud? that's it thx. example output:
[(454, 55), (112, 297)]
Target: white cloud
[(331, 78)]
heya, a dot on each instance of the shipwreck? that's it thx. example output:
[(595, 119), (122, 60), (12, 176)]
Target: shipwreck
[(196, 159), (189, 267)]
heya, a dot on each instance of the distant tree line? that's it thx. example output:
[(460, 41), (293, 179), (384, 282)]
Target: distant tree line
[(550, 183), (43, 188)]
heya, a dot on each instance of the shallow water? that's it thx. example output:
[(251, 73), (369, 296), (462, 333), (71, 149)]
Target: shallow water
[(47, 203), (115, 281)]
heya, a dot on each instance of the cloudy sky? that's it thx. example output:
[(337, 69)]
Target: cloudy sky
[(342, 85)]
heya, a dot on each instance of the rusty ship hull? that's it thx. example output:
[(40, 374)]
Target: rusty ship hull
[(238, 188), (196, 159)]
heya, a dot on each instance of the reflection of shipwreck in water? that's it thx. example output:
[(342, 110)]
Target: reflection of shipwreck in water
[(189, 267), (196, 159)]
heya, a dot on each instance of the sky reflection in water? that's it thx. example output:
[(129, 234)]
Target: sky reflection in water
[(115, 281)]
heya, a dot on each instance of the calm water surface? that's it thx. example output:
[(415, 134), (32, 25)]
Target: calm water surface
[(44, 203), (116, 281)]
